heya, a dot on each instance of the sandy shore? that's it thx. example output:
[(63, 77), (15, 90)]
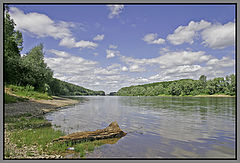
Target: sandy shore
[(37, 107)]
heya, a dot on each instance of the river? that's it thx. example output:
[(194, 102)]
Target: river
[(157, 127)]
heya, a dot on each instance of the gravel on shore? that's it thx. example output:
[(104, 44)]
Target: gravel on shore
[(35, 108)]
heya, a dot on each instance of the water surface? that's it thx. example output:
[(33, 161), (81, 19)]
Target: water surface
[(157, 127)]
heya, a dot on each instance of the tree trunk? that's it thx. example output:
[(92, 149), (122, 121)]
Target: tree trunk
[(112, 131)]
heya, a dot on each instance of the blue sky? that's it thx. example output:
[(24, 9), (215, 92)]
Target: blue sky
[(106, 47)]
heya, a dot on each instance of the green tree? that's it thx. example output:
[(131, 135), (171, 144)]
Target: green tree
[(12, 47), (187, 87), (219, 84), (137, 91), (174, 89), (34, 71), (232, 85), (200, 85), (203, 78), (150, 91), (210, 88), (159, 89)]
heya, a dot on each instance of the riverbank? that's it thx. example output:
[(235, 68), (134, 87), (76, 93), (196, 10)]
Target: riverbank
[(214, 95), (37, 107), (27, 134)]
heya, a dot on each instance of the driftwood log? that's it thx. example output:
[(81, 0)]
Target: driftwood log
[(112, 131)]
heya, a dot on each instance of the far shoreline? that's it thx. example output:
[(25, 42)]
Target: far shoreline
[(213, 96), (220, 95)]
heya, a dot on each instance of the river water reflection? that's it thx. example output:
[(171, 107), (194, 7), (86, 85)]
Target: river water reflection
[(157, 127)]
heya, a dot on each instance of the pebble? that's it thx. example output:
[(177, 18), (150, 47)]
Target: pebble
[(35, 108), (22, 152)]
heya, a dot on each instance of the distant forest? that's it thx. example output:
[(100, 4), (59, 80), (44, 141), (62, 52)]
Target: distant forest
[(184, 87), (30, 70)]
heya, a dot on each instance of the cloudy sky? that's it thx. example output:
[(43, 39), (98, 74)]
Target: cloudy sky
[(106, 47)]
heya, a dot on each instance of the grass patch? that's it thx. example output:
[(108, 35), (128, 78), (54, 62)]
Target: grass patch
[(86, 146), (90, 147), (42, 138), (13, 119), (27, 123), (12, 99), (39, 136), (28, 92), (7, 153), (28, 131)]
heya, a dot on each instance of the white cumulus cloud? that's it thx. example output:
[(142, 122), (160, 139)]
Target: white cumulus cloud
[(224, 62), (151, 38), (136, 68), (169, 59), (66, 64), (98, 38), (186, 33), (219, 36), (112, 47), (183, 69), (59, 53), (112, 53), (124, 68), (41, 25), (71, 43), (115, 10)]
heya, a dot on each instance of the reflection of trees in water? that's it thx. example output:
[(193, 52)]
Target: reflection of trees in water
[(185, 105), (185, 118)]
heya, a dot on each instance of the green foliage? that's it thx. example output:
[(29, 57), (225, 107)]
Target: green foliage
[(87, 146), (30, 131), (34, 71), (231, 85), (12, 99), (39, 136), (12, 47), (28, 92), (183, 87), (58, 87), (27, 123), (174, 89), (27, 70)]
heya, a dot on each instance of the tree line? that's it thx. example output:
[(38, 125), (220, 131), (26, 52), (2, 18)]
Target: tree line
[(184, 87), (30, 69)]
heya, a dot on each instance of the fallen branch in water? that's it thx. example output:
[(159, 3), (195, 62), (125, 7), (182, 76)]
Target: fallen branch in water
[(112, 131)]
